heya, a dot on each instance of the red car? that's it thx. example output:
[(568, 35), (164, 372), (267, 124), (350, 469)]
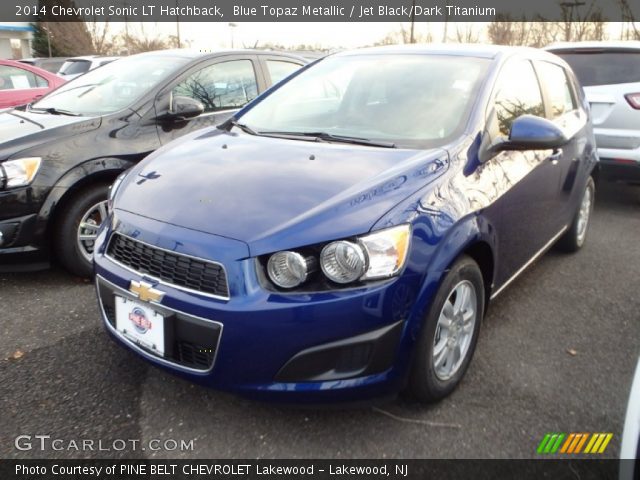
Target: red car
[(21, 83)]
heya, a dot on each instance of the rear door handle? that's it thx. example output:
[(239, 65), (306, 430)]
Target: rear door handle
[(554, 158)]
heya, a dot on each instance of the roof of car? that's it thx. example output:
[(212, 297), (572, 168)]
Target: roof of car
[(90, 58), (593, 45), (194, 54), (461, 49)]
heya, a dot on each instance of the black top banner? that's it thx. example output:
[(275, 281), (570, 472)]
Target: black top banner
[(319, 10)]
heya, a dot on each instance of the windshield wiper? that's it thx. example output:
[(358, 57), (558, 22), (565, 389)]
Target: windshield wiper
[(232, 122), (330, 137), (55, 111)]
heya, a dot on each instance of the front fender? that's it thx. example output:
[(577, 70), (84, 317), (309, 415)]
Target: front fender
[(95, 170)]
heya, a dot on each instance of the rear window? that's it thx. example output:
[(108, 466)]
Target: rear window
[(604, 68), (74, 67)]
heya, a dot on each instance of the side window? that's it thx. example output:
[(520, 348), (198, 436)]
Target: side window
[(279, 69), (12, 78), (560, 94), (518, 94), (221, 86)]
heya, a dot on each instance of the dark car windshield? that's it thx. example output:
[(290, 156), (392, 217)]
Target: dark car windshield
[(412, 101), (602, 67), (112, 87)]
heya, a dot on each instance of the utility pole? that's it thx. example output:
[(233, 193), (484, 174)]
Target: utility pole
[(126, 29), (567, 13), (413, 21)]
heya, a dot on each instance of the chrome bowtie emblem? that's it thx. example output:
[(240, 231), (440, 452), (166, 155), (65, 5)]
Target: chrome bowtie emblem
[(145, 291)]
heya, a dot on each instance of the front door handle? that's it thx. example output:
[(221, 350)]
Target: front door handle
[(554, 158)]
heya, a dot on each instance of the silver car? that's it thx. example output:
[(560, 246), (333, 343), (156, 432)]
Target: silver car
[(610, 75)]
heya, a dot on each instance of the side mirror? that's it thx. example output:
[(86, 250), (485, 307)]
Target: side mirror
[(183, 108), (529, 132)]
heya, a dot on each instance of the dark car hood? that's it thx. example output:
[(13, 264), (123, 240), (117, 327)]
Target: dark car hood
[(20, 130), (275, 193)]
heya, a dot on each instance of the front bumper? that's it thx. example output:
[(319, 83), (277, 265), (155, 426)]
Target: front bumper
[(344, 345), (21, 229)]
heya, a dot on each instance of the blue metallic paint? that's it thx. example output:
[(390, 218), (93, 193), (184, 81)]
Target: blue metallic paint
[(278, 198)]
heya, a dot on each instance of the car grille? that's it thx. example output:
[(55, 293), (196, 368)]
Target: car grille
[(194, 356), (169, 267), (189, 341)]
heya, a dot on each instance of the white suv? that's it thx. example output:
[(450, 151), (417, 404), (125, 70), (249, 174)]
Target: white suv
[(610, 75)]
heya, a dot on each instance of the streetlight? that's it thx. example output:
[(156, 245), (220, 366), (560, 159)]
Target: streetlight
[(231, 27), (178, 24), (46, 29)]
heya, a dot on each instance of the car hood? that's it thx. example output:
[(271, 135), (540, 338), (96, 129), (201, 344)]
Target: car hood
[(275, 193), (20, 130)]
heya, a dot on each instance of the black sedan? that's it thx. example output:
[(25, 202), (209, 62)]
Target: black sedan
[(59, 155)]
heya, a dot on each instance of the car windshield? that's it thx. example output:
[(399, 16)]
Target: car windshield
[(602, 67), (112, 87), (410, 101)]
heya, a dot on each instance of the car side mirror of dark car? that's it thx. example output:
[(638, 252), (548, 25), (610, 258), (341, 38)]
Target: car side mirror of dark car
[(184, 108), (529, 132)]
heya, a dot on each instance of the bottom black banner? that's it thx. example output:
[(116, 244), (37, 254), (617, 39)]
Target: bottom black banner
[(582, 469)]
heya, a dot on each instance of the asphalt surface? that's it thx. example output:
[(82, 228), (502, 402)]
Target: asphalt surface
[(556, 354)]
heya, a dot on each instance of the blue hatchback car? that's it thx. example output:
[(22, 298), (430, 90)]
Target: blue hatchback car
[(340, 237)]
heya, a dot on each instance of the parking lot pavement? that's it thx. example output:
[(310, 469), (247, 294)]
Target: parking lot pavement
[(556, 354)]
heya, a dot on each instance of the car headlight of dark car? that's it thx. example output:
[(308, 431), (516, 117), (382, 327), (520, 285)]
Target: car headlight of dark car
[(19, 172), (375, 256)]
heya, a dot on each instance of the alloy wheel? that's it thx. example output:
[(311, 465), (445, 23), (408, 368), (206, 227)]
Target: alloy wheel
[(454, 330), (88, 228), (584, 214)]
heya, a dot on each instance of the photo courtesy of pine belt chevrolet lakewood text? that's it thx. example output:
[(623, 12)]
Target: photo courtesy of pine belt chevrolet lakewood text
[(341, 236)]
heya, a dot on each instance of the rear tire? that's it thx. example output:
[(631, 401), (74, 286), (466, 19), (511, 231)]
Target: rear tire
[(73, 245), (575, 237), (450, 328)]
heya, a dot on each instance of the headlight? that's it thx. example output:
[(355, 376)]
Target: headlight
[(386, 251), (289, 269), (343, 262), (20, 172), (376, 256), (113, 189)]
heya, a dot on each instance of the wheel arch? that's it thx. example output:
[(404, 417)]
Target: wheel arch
[(475, 237), (93, 172)]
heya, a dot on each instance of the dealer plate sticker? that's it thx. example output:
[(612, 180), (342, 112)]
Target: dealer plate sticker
[(140, 324)]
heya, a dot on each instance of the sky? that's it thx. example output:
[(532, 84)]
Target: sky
[(327, 34), (212, 35)]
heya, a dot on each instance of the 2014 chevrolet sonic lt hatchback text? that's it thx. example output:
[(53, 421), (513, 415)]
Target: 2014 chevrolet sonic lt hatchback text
[(341, 236)]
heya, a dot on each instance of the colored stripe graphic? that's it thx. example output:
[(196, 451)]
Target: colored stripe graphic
[(543, 443), (581, 443), (573, 443), (567, 443)]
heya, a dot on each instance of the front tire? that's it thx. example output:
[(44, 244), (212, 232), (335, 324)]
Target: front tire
[(576, 235), (77, 228), (449, 334)]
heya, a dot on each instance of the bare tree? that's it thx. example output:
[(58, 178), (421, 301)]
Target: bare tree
[(70, 38), (630, 30), (467, 33), (102, 42), (403, 35), (577, 26)]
